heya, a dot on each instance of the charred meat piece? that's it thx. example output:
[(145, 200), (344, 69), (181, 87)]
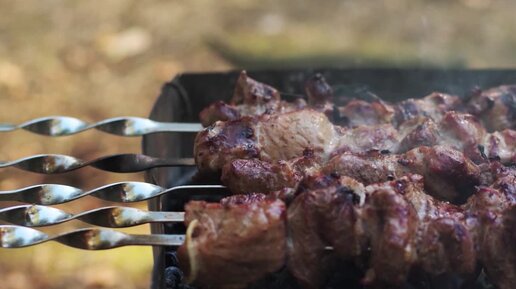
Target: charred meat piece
[(308, 260), (224, 141), (320, 94), (323, 215), (390, 224), (249, 98), (495, 107), (360, 112), (499, 249), (253, 175), (233, 244), (433, 106), (218, 111)]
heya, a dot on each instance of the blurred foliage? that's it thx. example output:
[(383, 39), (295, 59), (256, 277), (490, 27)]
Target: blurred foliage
[(100, 59)]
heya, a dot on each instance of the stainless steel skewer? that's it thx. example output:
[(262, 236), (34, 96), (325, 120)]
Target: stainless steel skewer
[(123, 192), (121, 163), (123, 126), (112, 217), (88, 239)]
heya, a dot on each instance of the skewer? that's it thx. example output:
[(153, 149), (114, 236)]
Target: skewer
[(87, 239), (123, 192), (122, 126), (121, 163), (112, 217)]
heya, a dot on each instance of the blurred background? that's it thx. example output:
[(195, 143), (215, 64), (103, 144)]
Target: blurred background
[(101, 59)]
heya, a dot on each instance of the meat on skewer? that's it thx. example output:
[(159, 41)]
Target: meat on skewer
[(495, 107), (254, 162), (387, 229), (448, 174), (244, 235), (250, 98)]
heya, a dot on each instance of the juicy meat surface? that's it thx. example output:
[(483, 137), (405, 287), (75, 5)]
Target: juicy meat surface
[(308, 260), (359, 112), (249, 98), (268, 137), (399, 227), (448, 174), (386, 229), (433, 106), (285, 136), (320, 94), (495, 107), (241, 239)]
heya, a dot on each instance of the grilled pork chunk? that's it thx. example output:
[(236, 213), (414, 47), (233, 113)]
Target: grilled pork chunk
[(495, 107), (249, 98), (242, 238)]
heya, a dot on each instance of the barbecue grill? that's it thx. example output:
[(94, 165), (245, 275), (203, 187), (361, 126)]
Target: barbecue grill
[(186, 95)]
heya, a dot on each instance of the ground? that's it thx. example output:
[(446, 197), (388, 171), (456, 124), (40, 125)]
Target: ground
[(100, 59)]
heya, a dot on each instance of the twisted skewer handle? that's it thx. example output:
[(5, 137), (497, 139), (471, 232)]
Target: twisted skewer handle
[(123, 192), (112, 217), (87, 239), (122, 163), (122, 126)]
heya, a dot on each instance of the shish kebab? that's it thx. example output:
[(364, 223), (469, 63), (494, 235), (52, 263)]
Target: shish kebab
[(386, 229), (294, 144), (495, 107), (287, 143), (238, 132)]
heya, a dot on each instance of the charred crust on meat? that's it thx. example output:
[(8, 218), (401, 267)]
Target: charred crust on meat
[(318, 90), (252, 92), (349, 194)]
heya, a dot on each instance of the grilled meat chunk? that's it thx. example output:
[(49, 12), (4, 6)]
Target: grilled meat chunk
[(308, 260), (241, 238), (360, 112), (499, 249), (249, 98), (218, 110), (495, 107), (433, 106), (253, 175)]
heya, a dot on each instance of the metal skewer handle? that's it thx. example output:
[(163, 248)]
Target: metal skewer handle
[(121, 163), (122, 126), (112, 217), (123, 192), (88, 239)]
